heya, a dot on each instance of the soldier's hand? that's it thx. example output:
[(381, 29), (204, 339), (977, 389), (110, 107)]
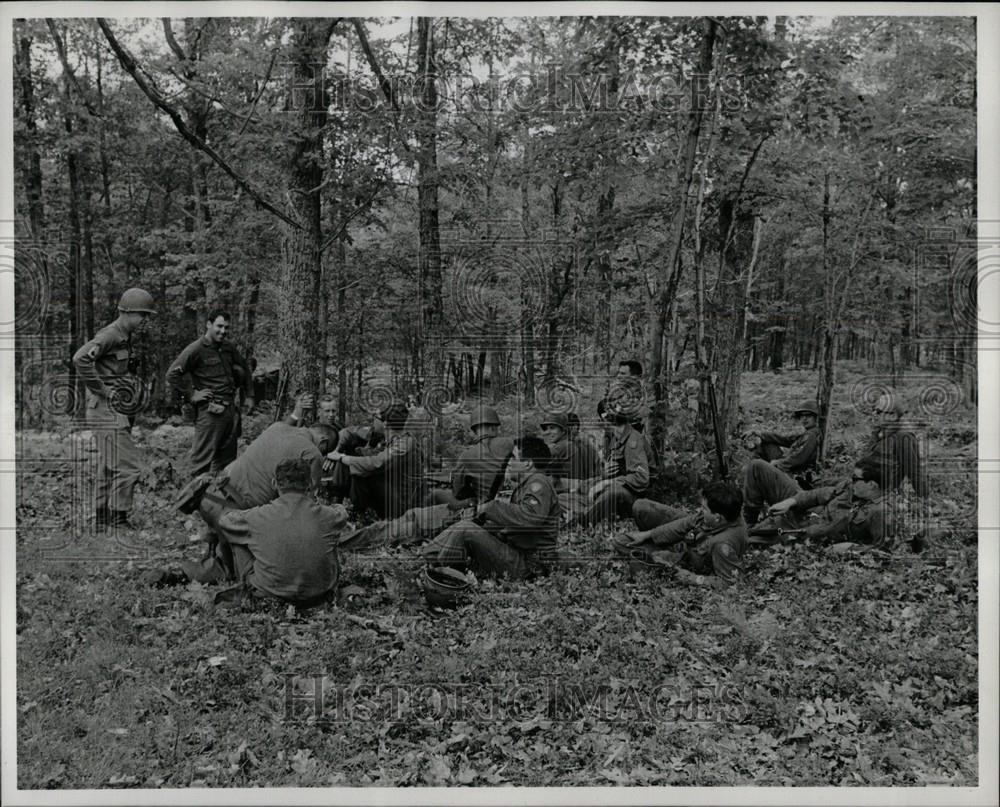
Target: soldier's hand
[(781, 507), (200, 395), (610, 466), (249, 402)]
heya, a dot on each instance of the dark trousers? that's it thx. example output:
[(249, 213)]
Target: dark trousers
[(215, 439), (649, 514), (614, 502), (467, 544), (236, 560), (765, 484)]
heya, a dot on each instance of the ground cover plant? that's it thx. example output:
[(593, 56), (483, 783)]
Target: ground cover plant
[(819, 669)]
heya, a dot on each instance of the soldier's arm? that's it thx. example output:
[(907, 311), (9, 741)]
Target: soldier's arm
[(368, 465), (181, 366), (532, 511), (236, 527), (85, 359), (881, 528), (817, 497), (778, 439), (673, 532), (802, 454), (636, 464)]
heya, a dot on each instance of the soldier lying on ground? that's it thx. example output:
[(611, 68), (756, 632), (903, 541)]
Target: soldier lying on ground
[(626, 469), (515, 538), (388, 482), (480, 468), (713, 540), (285, 549), (853, 510), (798, 458), (248, 481)]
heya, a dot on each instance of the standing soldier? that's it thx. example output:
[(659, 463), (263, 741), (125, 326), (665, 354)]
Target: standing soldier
[(217, 371), (103, 364)]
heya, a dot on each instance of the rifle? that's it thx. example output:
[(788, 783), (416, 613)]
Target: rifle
[(282, 386), (720, 455)]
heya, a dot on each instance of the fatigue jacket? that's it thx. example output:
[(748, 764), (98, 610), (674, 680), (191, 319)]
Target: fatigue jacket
[(628, 455), (896, 449), (717, 549), (530, 520), (480, 468), (574, 458), (293, 541), (103, 366), (249, 478), (801, 453), (858, 520), (218, 368)]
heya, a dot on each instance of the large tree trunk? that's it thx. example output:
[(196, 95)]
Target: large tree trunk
[(298, 304), (429, 263), (668, 284)]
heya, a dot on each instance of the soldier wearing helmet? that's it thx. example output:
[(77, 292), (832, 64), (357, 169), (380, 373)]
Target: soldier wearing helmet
[(480, 469), (390, 481), (217, 371), (799, 455), (103, 365), (574, 457)]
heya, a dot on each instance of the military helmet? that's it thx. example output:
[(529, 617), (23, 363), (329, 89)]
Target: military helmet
[(559, 419), (136, 300), (808, 407), (484, 415), (443, 586)]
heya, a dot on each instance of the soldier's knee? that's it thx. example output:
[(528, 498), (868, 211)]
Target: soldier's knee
[(643, 512)]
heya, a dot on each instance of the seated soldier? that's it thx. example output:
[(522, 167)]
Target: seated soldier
[(574, 458), (895, 447), (853, 510), (285, 549), (516, 538), (391, 481), (713, 540), (480, 468), (626, 468), (248, 481), (799, 458)]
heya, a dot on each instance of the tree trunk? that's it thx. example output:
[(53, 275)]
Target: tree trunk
[(429, 261), (298, 305), (828, 352), (668, 285)]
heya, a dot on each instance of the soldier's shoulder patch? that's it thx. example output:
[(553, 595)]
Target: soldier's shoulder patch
[(633, 441), (235, 522), (94, 351), (532, 500), (726, 550), (535, 487)]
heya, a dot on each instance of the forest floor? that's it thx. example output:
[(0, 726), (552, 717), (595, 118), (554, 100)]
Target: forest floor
[(820, 669)]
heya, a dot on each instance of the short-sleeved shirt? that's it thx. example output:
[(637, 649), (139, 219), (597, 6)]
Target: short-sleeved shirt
[(214, 366), (250, 476), (294, 544)]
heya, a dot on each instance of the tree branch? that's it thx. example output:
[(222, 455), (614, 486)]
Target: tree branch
[(168, 33), (64, 61), (129, 64), (383, 82)]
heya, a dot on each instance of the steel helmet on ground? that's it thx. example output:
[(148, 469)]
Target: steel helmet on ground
[(484, 415), (136, 300), (443, 586)]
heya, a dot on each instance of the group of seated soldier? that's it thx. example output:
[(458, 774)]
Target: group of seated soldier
[(267, 531)]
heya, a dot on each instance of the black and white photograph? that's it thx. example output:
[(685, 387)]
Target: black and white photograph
[(477, 403)]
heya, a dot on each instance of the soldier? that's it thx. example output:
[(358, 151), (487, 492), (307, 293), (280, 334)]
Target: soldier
[(248, 481), (626, 467), (103, 364), (574, 458), (286, 548), (217, 371), (800, 457), (628, 382), (480, 468), (391, 481), (327, 413), (517, 538), (853, 510), (895, 447), (713, 540)]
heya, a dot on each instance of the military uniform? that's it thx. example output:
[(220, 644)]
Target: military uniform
[(478, 473), (896, 450), (219, 368), (102, 364), (705, 549), (389, 482), (574, 458), (286, 548), (628, 467), (515, 538), (764, 483), (846, 518), (800, 455)]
